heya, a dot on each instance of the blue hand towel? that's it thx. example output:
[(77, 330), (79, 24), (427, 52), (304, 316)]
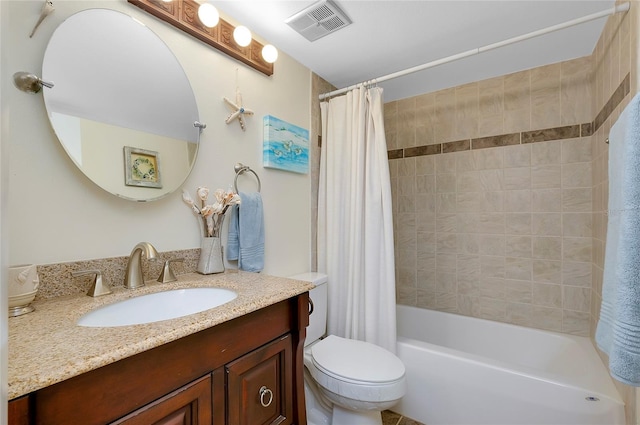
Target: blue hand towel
[(604, 330), (246, 233), (233, 242), (618, 331)]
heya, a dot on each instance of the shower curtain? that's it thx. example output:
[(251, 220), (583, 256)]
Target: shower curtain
[(355, 227)]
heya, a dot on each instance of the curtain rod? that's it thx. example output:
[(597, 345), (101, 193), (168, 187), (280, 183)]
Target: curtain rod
[(623, 7)]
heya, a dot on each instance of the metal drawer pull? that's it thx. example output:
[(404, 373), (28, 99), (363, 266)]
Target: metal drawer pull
[(264, 391), (310, 306)]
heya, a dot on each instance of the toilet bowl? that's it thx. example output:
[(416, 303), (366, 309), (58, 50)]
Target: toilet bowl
[(347, 382), (360, 378)]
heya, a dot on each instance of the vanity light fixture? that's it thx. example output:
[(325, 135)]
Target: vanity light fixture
[(242, 36), (201, 19), (208, 15), (269, 53)]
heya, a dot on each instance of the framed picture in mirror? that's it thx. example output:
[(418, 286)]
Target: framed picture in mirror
[(142, 167)]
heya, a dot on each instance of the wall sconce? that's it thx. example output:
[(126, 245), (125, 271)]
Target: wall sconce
[(208, 15), (201, 19)]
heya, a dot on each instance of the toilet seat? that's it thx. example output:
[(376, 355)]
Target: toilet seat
[(355, 361), (357, 370)]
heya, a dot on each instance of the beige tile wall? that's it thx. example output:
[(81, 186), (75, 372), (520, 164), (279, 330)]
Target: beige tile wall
[(502, 233), (615, 57), (612, 59)]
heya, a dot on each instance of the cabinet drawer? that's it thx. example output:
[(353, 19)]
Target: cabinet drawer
[(189, 405), (260, 385)]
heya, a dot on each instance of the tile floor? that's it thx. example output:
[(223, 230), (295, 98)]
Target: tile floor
[(393, 418)]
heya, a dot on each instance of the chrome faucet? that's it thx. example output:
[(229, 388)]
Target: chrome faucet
[(133, 276)]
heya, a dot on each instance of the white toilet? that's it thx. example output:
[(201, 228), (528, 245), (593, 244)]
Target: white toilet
[(346, 382)]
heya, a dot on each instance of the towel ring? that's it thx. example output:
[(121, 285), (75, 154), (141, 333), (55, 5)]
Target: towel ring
[(240, 168)]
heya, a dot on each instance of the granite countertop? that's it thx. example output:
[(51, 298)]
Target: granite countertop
[(46, 346)]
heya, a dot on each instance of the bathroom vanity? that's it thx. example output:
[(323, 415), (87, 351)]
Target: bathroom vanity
[(239, 363)]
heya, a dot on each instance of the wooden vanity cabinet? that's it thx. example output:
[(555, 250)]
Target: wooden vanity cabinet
[(214, 376)]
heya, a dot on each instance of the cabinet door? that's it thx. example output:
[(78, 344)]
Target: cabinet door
[(260, 386), (189, 405), (18, 411)]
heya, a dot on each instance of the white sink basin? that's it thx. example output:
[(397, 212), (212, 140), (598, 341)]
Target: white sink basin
[(156, 307)]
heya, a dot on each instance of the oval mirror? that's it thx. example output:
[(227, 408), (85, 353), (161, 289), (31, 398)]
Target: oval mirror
[(121, 104)]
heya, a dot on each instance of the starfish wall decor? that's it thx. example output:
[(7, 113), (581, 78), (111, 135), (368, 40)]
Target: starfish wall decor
[(237, 110)]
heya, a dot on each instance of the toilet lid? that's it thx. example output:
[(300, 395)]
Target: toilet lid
[(356, 360)]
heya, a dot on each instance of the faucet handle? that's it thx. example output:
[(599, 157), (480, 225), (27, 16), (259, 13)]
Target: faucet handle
[(99, 287), (167, 274)]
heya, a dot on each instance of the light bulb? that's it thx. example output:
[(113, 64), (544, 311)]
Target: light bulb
[(242, 36), (269, 53), (208, 15)]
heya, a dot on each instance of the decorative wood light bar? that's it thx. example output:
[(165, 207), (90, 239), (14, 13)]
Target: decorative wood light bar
[(183, 14)]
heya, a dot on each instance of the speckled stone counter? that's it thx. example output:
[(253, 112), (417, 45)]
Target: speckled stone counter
[(47, 346)]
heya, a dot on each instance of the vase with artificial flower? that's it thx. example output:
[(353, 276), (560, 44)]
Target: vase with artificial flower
[(211, 218)]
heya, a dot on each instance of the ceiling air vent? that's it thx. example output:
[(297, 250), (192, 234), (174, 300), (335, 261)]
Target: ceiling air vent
[(318, 20)]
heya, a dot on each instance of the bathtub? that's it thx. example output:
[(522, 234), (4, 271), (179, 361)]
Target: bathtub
[(463, 370)]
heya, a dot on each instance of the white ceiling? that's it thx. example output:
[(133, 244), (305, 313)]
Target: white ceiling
[(391, 35)]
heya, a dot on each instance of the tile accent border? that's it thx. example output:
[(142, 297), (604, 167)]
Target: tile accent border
[(460, 145), (497, 141), (532, 136), (395, 154), (556, 133), (422, 150), (618, 95)]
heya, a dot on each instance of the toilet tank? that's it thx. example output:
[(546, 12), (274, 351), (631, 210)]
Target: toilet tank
[(318, 295)]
